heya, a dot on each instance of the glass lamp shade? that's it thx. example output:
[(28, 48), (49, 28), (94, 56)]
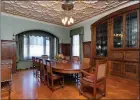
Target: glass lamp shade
[(67, 21)]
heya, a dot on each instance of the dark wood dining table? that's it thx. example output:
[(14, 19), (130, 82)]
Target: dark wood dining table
[(68, 67)]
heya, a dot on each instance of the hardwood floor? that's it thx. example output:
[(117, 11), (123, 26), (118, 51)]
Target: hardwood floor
[(25, 86)]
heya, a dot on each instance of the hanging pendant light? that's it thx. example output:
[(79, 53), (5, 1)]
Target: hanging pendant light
[(67, 5)]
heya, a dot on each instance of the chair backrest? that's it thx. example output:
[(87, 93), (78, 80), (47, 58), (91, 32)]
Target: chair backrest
[(37, 60), (75, 58), (6, 72), (67, 57), (86, 60), (101, 69), (49, 67), (45, 56), (33, 60), (41, 63), (41, 66)]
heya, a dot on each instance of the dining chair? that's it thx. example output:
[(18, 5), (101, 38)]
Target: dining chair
[(33, 65), (75, 58), (51, 77), (37, 68), (6, 78), (41, 70), (67, 58), (45, 56), (33, 61), (94, 81), (43, 73), (86, 60)]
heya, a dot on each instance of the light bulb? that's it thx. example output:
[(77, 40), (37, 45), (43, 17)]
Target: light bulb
[(63, 21), (71, 20), (66, 19)]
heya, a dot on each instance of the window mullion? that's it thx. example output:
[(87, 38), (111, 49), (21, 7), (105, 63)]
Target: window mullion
[(44, 45), (28, 46)]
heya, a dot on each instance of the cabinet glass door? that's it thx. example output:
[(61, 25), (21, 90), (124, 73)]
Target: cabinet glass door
[(101, 40), (131, 30), (117, 32)]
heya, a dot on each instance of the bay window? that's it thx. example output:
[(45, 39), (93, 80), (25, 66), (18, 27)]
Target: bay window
[(36, 46)]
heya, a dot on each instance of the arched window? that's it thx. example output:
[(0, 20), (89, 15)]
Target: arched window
[(36, 43)]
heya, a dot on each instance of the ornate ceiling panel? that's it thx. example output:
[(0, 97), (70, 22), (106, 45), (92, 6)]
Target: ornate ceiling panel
[(51, 11)]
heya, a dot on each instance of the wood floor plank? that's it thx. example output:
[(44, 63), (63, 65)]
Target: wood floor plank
[(26, 86)]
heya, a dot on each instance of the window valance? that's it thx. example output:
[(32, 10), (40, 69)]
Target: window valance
[(76, 31)]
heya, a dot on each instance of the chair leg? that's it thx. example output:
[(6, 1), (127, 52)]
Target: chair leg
[(41, 76), (52, 85), (63, 82), (81, 89), (36, 73), (9, 95), (45, 82), (105, 88), (48, 81), (10, 91), (94, 94)]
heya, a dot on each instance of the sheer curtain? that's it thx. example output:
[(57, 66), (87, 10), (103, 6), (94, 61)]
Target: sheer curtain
[(75, 45), (47, 47), (25, 47), (36, 46)]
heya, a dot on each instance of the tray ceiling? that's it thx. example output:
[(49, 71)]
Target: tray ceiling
[(51, 11)]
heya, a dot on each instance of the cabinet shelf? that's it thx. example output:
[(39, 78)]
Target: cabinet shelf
[(101, 40)]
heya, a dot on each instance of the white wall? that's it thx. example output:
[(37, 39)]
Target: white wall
[(87, 23), (14, 24)]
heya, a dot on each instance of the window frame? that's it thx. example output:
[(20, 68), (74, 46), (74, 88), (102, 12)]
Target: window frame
[(28, 47), (76, 45)]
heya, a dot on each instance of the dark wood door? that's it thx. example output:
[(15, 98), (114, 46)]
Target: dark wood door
[(65, 49), (8, 51), (87, 49)]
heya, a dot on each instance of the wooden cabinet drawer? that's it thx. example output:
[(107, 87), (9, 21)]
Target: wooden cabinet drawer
[(116, 68), (131, 70), (115, 55), (131, 56)]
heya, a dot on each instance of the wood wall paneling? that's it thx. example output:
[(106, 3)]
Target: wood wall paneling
[(8, 51), (65, 49), (87, 49)]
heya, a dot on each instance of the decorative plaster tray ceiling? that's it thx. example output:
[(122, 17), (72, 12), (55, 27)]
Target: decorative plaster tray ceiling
[(51, 11)]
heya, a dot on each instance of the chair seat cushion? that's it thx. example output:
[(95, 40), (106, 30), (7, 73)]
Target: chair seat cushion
[(90, 78)]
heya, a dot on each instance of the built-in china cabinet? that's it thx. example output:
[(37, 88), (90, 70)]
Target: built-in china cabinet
[(115, 38)]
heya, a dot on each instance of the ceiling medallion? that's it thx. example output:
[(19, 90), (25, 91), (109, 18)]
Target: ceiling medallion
[(67, 5)]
